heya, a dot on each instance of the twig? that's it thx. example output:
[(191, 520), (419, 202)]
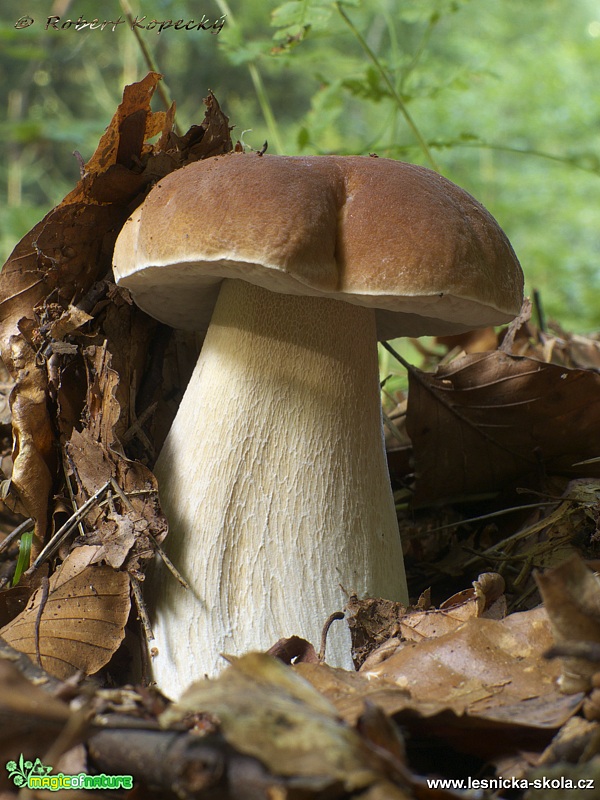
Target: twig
[(64, 531), (6, 543), (259, 87), (539, 310), (72, 734), (523, 534), (328, 623), (150, 63), (515, 326), (70, 490), (122, 496), (135, 429), (184, 764), (28, 669), (168, 563), (491, 515), (392, 89), (146, 625), (141, 607), (392, 428), (38, 618)]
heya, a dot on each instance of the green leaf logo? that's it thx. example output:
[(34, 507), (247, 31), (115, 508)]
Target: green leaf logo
[(19, 773)]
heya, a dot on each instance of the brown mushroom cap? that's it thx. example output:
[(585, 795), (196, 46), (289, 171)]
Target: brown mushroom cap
[(371, 231)]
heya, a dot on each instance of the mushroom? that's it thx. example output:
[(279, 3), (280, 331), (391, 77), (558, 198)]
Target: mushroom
[(273, 476)]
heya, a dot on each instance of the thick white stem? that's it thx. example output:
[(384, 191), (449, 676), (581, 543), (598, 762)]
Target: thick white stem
[(275, 484)]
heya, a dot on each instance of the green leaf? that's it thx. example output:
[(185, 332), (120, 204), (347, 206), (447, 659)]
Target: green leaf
[(23, 561), (302, 138), (370, 87), (245, 53), (296, 17)]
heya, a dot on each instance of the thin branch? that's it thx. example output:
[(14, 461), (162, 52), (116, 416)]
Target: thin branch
[(38, 618), (70, 490), (144, 618), (149, 59), (66, 529), (168, 563), (13, 535), (328, 623), (491, 515), (392, 89), (555, 516), (259, 88)]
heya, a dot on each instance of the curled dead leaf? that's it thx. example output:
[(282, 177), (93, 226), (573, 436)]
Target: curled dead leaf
[(33, 443), (571, 593)]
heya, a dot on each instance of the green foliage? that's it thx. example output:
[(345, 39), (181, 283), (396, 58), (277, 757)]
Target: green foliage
[(24, 557), (295, 18), (501, 97)]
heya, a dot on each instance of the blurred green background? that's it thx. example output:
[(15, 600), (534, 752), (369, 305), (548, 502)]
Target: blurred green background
[(503, 97)]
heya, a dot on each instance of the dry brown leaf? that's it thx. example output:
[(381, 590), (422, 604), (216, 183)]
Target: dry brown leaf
[(377, 626), (117, 534), (82, 621), (372, 622), (90, 463), (94, 459), (33, 442), (576, 736), (102, 407), (488, 669), (468, 604), (571, 593), (117, 367), (24, 703), (349, 691), (484, 688), (267, 711), (48, 293), (68, 322), (556, 345), (62, 252), (485, 420), (565, 781), (294, 649), (584, 351), (6, 386), (482, 340)]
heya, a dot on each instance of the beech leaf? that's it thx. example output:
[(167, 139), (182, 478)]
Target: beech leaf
[(82, 621), (487, 419)]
